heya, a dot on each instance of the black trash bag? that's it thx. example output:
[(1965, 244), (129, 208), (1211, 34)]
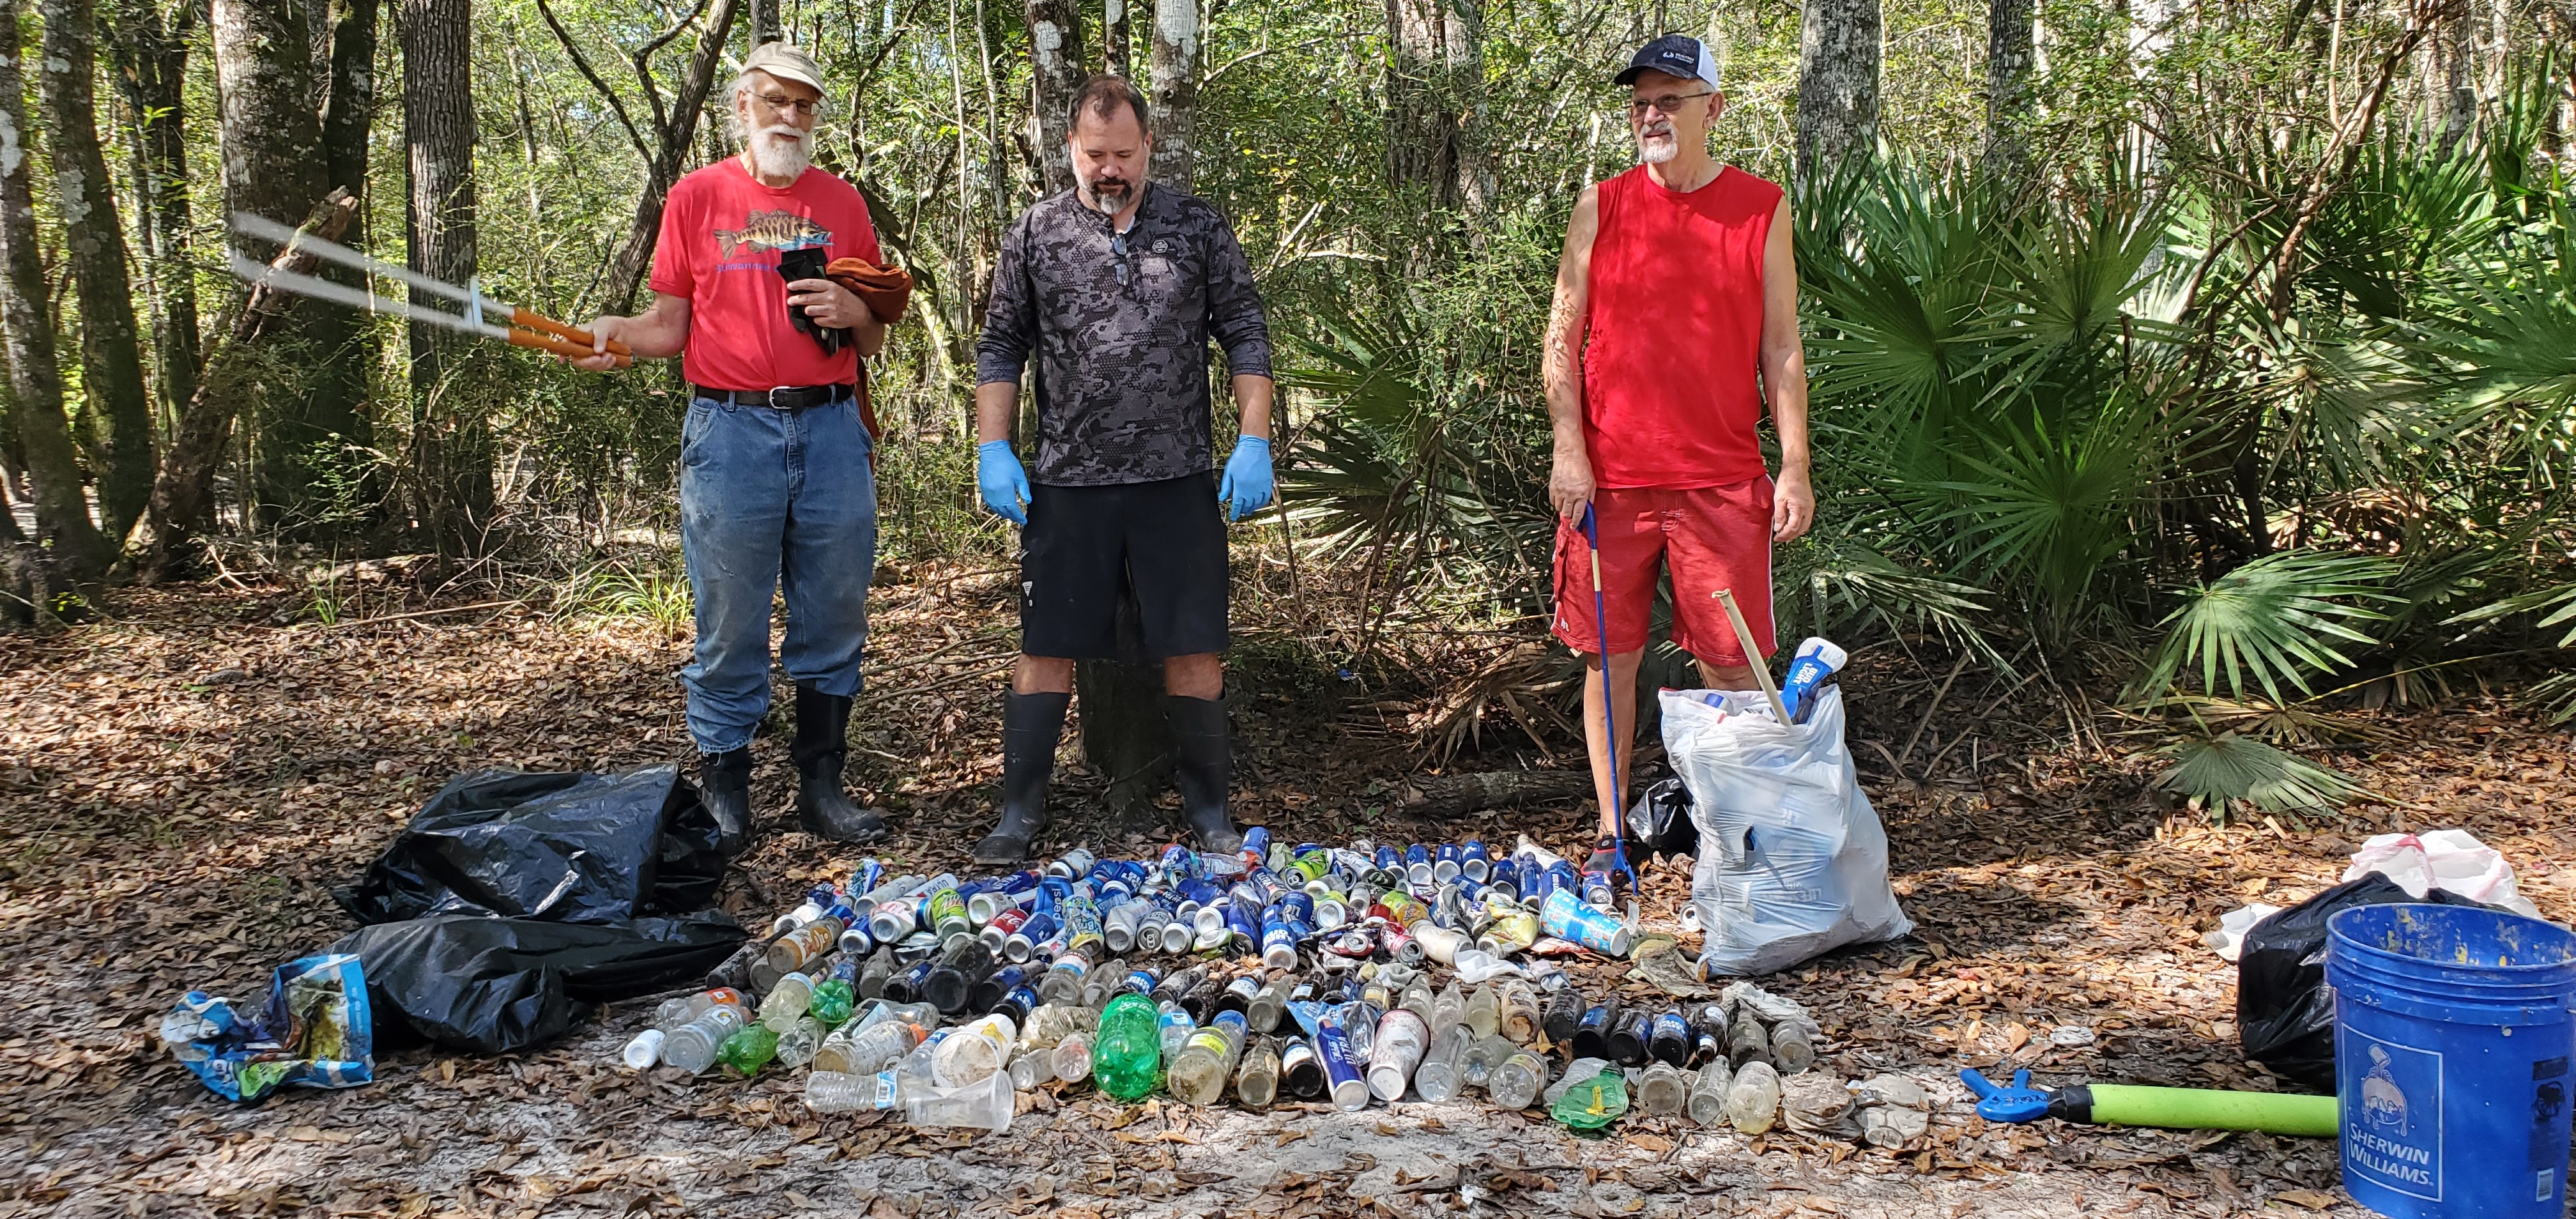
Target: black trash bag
[(564, 848), (495, 985), (1660, 821), (2284, 1013)]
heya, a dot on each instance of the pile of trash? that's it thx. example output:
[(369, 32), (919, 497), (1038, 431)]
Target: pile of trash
[(1304, 973)]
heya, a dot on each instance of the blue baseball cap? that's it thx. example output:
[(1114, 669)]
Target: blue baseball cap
[(1673, 55)]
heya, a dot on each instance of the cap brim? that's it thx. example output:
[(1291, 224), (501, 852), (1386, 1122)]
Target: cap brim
[(1629, 77), (783, 72)]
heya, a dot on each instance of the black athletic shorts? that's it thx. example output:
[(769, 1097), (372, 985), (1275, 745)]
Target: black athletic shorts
[(1161, 542)]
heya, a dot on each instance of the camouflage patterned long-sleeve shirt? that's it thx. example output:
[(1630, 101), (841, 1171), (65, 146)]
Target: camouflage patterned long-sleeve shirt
[(1121, 342)]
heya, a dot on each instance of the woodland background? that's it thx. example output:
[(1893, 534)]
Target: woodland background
[(2212, 362)]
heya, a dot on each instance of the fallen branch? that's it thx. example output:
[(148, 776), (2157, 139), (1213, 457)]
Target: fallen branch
[(1458, 795)]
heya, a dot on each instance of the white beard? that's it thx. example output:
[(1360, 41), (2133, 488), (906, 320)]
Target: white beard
[(1658, 148), (781, 151)]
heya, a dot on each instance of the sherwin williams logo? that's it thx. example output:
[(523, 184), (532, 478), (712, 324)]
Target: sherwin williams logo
[(2393, 1138)]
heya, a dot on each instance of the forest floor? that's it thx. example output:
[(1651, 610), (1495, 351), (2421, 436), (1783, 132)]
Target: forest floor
[(180, 785)]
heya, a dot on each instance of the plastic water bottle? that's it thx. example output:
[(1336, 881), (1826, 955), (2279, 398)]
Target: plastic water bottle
[(872, 1049), (1520, 1023), (1817, 659), (1484, 1012), (786, 1002), (1516, 1080), (1450, 1008), (1175, 1030), (1070, 1060), (1030, 1068), (1661, 1091), (1126, 1056), (1753, 1101), (799, 1042), (1440, 1077), (645, 1050), (692, 1046), (1707, 1103), (840, 1092)]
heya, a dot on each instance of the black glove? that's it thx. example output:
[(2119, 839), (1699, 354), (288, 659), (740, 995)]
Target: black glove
[(808, 263)]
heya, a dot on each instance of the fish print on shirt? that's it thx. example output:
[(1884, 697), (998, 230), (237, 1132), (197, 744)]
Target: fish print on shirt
[(778, 230)]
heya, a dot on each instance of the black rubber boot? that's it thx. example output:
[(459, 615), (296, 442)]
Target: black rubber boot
[(822, 744), (1032, 724), (1205, 773), (724, 780)]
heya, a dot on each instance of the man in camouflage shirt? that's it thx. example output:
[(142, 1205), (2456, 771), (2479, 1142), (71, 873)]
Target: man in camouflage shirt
[(1116, 287)]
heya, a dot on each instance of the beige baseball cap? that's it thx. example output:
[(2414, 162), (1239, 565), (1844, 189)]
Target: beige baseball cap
[(784, 61)]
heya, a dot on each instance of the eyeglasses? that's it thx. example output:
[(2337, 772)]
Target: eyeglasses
[(1118, 248), (1664, 105), (781, 103)]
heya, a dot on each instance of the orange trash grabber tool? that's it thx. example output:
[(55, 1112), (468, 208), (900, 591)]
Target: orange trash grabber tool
[(483, 316)]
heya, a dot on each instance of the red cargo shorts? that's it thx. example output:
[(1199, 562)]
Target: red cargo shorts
[(1712, 537)]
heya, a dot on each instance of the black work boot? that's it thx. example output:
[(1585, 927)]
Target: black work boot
[(1032, 724), (1205, 772), (724, 781), (822, 742)]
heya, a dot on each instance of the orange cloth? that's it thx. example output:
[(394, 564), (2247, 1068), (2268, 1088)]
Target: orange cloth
[(886, 290)]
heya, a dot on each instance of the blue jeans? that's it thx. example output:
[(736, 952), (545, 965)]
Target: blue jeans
[(771, 497)]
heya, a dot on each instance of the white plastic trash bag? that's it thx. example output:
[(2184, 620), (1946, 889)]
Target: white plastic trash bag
[(1792, 861), (2443, 859)]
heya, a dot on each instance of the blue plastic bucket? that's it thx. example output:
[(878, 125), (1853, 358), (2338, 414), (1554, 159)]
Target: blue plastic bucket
[(2453, 1036)]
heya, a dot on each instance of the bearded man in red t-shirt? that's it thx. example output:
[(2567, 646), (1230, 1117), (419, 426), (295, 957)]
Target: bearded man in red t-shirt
[(1675, 322), (775, 489)]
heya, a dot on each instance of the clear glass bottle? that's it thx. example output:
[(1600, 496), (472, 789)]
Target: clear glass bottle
[(1707, 1103), (1792, 1050), (1072, 1057), (1256, 1082)]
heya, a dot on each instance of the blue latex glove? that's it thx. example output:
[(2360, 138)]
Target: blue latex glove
[(1246, 485), (1004, 484)]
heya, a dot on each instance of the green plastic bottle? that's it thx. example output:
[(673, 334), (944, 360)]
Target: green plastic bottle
[(748, 1050), (1127, 1052), (833, 1001)]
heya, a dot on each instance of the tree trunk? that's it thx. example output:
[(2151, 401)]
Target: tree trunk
[(451, 438), (2458, 83), (1126, 735), (2010, 25), (151, 51), (1114, 40), (1055, 64), (764, 22), (63, 525), (1838, 62), (635, 254), (111, 350), (1421, 160), (274, 165), (1173, 87), (349, 105)]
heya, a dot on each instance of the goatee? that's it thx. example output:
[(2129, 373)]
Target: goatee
[(1658, 148)]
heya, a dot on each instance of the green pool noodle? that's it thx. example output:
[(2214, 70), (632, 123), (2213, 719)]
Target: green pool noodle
[(2197, 1109)]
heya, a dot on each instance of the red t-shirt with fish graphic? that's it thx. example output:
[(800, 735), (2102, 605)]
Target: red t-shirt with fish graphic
[(721, 236)]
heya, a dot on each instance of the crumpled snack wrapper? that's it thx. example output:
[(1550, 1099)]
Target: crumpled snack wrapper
[(315, 1033)]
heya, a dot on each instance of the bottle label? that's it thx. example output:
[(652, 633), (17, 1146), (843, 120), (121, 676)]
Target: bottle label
[(884, 1098)]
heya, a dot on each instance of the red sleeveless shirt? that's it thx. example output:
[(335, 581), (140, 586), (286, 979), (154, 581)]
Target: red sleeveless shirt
[(1671, 374)]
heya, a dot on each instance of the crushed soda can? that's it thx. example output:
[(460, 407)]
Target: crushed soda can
[(316, 1032)]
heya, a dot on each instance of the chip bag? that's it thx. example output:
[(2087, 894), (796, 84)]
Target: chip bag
[(315, 1033)]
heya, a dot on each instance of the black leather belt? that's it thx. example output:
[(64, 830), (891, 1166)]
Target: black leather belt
[(785, 397)]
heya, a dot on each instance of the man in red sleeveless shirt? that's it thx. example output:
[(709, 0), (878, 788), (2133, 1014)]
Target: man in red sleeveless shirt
[(1675, 323)]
